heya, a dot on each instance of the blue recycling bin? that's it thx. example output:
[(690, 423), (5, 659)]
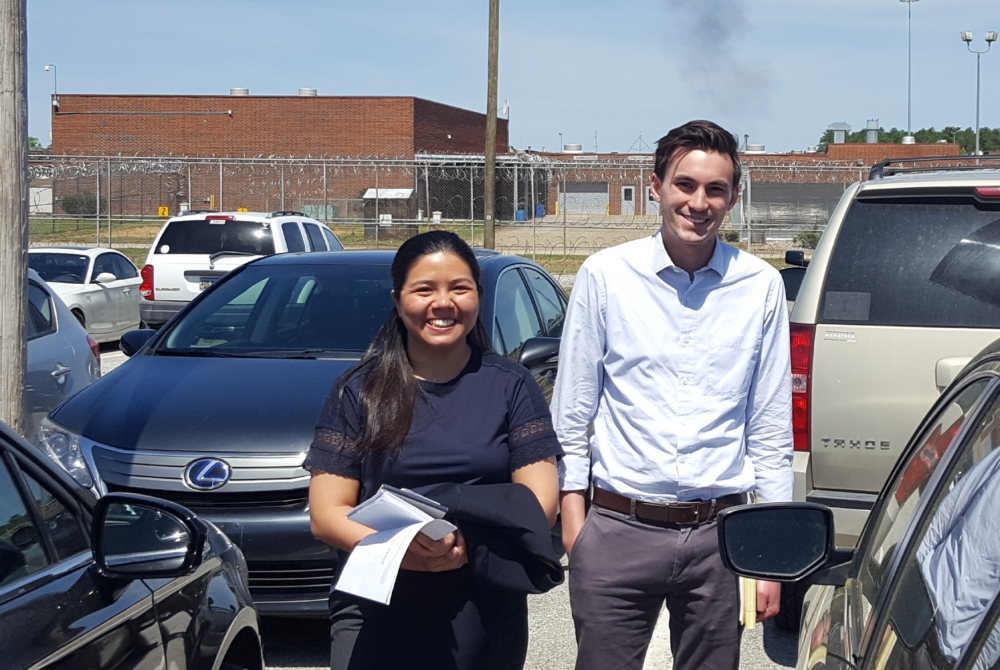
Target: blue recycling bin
[(539, 210), (519, 215)]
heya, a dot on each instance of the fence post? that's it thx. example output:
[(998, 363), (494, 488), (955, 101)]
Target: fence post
[(109, 203), (97, 206), (534, 219), (221, 208), (190, 203), (427, 194), (326, 210), (376, 205)]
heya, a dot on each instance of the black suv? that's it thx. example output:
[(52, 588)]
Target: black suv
[(125, 582)]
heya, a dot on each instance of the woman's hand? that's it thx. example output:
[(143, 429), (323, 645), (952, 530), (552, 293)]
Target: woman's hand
[(427, 555)]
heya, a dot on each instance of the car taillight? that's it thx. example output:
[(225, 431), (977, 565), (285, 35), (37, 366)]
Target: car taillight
[(146, 287), (802, 337), (988, 191), (94, 349)]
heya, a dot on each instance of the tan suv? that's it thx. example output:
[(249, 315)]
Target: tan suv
[(902, 290)]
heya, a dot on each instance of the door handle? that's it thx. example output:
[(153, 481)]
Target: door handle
[(60, 371), (126, 291)]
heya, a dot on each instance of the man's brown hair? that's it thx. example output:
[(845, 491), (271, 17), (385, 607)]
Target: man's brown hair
[(703, 135)]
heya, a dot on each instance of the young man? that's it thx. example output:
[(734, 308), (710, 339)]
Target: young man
[(676, 349)]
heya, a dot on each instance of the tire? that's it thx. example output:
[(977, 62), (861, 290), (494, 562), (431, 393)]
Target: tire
[(79, 317), (790, 615)]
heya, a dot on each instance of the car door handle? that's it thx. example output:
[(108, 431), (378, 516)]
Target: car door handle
[(60, 371), (126, 291)]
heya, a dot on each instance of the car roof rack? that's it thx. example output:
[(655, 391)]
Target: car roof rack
[(885, 168), (284, 213)]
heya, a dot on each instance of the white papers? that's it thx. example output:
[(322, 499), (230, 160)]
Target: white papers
[(398, 515)]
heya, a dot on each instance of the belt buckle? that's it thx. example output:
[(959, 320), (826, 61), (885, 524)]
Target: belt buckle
[(689, 512)]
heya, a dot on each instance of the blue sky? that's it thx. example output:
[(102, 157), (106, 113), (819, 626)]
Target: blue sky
[(778, 70)]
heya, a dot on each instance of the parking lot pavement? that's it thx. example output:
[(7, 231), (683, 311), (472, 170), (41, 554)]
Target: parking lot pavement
[(111, 357)]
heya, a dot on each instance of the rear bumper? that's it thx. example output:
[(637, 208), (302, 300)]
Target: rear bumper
[(155, 313), (850, 509), (290, 571)]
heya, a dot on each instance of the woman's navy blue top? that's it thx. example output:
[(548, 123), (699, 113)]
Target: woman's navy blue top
[(475, 429)]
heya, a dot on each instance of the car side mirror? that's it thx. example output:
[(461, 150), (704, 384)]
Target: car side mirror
[(105, 278), (783, 542), (796, 257), (133, 340), (539, 351), (137, 537)]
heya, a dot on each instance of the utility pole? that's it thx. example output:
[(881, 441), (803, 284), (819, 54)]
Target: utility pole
[(489, 188), (13, 209)]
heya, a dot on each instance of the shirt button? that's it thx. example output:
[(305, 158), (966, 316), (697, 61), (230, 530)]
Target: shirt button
[(687, 340), (686, 382)]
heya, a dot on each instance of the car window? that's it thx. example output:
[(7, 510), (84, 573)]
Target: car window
[(903, 495), (62, 526), (63, 268), (105, 263), (550, 302), (22, 551), (515, 314), (293, 237), (125, 268), (204, 236), (278, 309), (315, 237), (332, 240), (40, 309), (792, 279), (951, 574), (915, 262)]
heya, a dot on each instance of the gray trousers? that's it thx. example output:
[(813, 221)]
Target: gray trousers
[(622, 571)]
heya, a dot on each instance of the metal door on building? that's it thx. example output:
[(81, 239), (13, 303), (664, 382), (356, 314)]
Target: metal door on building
[(652, 207), (628, 200), (584, 198)]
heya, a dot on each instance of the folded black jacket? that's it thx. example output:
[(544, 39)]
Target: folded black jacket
[(507, 536)]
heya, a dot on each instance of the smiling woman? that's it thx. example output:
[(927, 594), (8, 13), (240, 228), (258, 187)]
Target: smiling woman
[(430, 404)]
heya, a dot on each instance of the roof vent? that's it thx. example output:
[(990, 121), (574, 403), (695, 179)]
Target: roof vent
[(572, 148), (811, 149), (839, 131), (909, 139), (310, 92), (871, 134), (239, 91), (754, 149)]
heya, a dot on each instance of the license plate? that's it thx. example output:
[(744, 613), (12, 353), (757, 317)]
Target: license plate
[(206, 282)]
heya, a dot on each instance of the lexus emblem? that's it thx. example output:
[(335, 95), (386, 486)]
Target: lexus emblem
[(207, 474)]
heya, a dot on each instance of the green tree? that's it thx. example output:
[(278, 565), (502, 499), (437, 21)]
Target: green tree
[(34, 144), (989, 138)]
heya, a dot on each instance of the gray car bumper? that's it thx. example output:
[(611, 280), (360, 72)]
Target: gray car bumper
[(155, 313)]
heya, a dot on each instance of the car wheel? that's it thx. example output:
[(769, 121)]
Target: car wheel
[(79, 317), (790, 615)]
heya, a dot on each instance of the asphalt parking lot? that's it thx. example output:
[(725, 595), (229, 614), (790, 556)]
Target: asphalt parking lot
[(304, 644)]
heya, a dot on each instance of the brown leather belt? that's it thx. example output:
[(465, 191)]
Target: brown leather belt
[(690, 513)]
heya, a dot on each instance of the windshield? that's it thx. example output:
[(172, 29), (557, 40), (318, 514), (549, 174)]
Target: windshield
[(286, 310), (209, 237), (62, 268)]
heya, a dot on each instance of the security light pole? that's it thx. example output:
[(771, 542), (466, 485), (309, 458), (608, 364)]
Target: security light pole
[(13, 210), (909, 64), (991, 37), (489, 230)]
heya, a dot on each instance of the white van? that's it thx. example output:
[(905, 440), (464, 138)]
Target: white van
[(192, 251)]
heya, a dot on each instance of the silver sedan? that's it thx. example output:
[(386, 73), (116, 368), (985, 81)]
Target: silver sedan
[(100, 286)]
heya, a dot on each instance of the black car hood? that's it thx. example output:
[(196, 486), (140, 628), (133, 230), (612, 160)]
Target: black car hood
[(209, 405)]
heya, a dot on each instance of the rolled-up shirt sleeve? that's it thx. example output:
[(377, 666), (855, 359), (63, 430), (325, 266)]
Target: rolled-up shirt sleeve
[(769, 404), (580, 379)]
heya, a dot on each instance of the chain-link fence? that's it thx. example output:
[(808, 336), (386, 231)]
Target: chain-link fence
[(565, 206)]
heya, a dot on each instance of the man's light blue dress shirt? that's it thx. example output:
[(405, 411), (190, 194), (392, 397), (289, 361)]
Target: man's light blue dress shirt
[(687, 382)]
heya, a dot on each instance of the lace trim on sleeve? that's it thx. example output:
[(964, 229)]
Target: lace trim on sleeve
[(333, 452), (532, 442)]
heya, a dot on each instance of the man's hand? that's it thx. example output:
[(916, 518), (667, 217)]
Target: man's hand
[(427, 555), (768, 599), (573, 512)]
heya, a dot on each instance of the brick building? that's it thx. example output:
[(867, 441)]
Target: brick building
[(241, 126)]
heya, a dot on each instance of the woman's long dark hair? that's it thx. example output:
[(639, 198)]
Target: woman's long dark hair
[(389, 391)]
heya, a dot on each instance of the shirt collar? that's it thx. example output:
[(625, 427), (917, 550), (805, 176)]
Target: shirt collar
[(662, 260)]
